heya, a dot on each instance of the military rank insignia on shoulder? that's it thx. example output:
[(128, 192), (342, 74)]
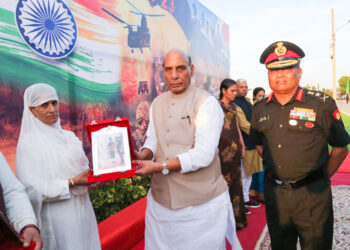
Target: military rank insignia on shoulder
[(336, 114), (322, 97)]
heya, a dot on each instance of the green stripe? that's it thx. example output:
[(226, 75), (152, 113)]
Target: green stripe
[(22, 71), (7, 16)]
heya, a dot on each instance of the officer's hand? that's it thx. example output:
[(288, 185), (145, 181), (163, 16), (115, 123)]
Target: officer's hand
[(32, 234), (147, 167)]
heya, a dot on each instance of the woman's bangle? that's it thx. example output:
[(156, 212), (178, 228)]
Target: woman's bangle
[(72, 182)]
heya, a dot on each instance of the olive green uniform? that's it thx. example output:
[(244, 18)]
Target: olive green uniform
[(295, 139)]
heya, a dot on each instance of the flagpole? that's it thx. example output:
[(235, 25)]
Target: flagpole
[(333, 56), (333, 52)]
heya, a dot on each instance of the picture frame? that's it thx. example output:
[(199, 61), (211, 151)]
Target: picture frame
[(110, 150)]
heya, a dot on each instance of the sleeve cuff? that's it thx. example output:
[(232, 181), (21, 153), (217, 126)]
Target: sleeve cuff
[(57, 190), (185, 162), (148, 146), (21, 224)]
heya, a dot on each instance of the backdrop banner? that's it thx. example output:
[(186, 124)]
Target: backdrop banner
[(104, 57)]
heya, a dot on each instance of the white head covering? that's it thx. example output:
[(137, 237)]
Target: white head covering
[(46, 154), (34, 96), (40, 93)]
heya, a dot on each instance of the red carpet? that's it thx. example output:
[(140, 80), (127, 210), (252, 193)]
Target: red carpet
[(340, 179), (256, 223)]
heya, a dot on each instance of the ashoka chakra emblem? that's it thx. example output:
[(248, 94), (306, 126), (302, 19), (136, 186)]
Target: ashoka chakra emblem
[(47, 26)]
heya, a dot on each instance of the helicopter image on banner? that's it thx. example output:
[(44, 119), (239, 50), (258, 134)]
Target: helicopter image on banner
[(139, 38)]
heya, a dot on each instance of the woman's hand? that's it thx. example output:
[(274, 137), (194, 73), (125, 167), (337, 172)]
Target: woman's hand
[(80, 179), (243, 152)]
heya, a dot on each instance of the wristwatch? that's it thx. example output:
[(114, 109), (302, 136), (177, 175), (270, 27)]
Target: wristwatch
[(165, 170)]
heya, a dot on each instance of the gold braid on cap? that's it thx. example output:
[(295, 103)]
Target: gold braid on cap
[(282, 64)]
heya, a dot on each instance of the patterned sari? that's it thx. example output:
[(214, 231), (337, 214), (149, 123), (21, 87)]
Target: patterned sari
[(230, 159)]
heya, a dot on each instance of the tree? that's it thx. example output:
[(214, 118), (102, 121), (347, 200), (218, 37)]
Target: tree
[(327, 91), (342, 84)]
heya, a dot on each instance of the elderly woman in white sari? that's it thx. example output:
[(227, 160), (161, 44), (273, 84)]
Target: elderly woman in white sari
[(52, 165)]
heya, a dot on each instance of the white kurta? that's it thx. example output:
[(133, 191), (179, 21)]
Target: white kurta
[(18, 208), (203, 226), (66, 217), (69, 224), (47, 157)]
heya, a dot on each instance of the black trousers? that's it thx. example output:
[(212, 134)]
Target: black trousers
[(305, 212)]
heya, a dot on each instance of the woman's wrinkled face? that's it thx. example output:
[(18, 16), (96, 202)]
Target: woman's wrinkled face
[(260, 95), (230, 93), (46, 112)]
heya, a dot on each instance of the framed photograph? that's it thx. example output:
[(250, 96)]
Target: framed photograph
[(110, 150)]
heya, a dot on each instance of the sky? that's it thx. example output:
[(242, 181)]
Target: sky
[(255, 24)]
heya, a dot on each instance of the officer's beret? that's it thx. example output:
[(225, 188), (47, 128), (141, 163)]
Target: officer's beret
[(281, 55)]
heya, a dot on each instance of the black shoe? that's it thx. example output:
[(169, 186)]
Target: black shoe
[(246, 210), (252, 204)]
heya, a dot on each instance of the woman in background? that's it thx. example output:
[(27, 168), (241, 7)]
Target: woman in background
[(257, 186), (52, 165), (258, 94), (231, 150)]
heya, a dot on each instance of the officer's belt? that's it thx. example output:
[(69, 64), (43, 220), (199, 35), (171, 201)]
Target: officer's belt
[(312, 177)]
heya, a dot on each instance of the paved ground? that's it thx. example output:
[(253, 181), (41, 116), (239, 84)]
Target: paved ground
[(344, 107)]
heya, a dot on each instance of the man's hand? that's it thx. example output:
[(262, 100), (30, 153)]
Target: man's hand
[(147, 167), (145, 154), (335, 159), (32, 234), (260, 149), (138, 155)]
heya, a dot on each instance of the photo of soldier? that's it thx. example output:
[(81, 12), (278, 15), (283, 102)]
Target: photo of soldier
[(110, 147), (158, 75), (139, 128), (119, 148)]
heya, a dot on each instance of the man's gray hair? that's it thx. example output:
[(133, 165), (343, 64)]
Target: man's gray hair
[(189, 60)]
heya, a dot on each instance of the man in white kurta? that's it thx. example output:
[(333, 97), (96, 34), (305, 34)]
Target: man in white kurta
[(188, 206), (18, 209)]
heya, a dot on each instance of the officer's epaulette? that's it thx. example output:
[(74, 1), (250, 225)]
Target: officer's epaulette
[(261, 100), (318, 95)]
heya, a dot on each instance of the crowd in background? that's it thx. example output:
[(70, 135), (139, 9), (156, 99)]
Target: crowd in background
[(240, 163)]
